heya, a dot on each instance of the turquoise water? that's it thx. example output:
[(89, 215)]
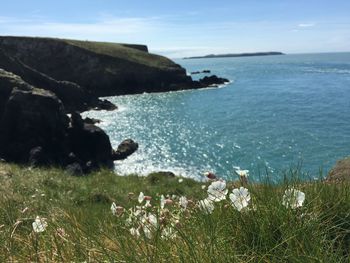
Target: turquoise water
[(277, 113)]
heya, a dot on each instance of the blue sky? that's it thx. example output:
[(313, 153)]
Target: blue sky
[(185, 28)]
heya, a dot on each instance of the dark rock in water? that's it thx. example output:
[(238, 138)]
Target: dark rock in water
[(212, 80), (32, 118), (126, 148), (105, 105), (91, 120), (340, 172), (89, 142), (74, 169), (37, 157), (206, 71)]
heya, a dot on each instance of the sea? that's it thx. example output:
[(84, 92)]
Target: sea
[(278, 115)]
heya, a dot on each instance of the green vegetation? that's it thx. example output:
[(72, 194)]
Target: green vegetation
[(81, 226), (123, 52)]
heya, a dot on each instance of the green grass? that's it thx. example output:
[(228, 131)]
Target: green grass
[(116, 50), (81, 226), (123, 52)]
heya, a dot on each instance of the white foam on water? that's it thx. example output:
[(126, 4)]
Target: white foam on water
[(235, 145), (141, 164), (328, 70)]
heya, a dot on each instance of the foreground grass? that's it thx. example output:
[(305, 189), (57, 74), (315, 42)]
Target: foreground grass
[(81, 226)]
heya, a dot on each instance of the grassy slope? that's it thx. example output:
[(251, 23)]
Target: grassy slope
[(116, 50), (119, 51), (317, 232)]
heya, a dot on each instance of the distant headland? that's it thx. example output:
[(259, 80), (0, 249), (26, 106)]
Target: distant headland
[(272, 53)]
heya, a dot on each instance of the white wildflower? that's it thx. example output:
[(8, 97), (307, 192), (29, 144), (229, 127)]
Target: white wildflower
[(183, 202), (162, 201), (148, 203), (152, 219), (137, 211), (141, 197), (240, 198), (114, 208), (168, 233), (206, 205), (39, 224), (135, 232), (147, 232), (181, 180), (217, 191), (204, 186), (242, 173), (117, 210), (293, 198)]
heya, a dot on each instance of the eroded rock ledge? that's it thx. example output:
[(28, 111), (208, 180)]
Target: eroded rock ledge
[(36, 130)]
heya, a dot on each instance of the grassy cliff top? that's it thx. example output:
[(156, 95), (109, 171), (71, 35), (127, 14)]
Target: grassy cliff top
[(123, 51), (129, 52)]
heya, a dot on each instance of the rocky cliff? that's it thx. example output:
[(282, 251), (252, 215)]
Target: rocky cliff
[(35, 129), (73, 96), (100, 68)]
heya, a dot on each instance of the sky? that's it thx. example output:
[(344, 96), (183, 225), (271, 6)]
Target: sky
[(188, 27)]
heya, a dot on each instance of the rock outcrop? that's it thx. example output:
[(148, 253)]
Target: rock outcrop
[(126, 148), (212, 81), (340, 172), (8, 81), (72, 95), (205, 71), (89, 142), (36, 130), (31, 119)]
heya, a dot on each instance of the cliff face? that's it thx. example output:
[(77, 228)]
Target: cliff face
[(101, 69), (35, 129), (73, 96)]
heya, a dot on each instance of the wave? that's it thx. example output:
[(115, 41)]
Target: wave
[(142, 165), (328, 70)]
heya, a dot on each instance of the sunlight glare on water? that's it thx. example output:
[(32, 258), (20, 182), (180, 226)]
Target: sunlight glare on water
[(278, 112)]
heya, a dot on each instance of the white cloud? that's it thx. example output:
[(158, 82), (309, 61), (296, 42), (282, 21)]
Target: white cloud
[(307, 25)]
